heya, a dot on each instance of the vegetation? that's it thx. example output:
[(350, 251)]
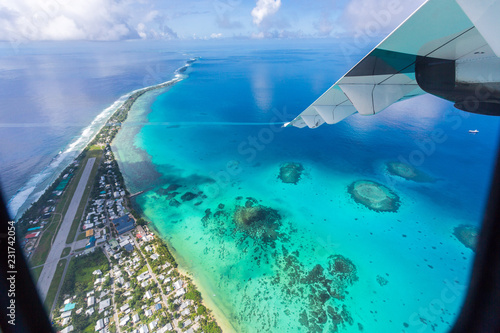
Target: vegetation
[(193, 294), (35, 273), (54, 285), (164, 253), (79, 273), (210, 326), (65, 252)]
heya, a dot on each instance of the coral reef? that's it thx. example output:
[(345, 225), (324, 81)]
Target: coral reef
[(257, 221), (408, 172), (467, 235), (290, 173), (375, 196)]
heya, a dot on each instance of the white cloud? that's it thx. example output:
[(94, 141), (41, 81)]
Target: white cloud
[(377, 17), (263, 9), (66, 20)]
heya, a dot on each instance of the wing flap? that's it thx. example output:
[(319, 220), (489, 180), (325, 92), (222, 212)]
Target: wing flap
[(387, 74)]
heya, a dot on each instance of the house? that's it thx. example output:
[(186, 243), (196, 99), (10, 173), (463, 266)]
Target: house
[(129, 247), (180, 292), (188, 322), (153, 324), (124, 308), (143, 329), (140, 232), (89, 312), (69, 306), (32, 235), (124, 320), (113, 243), (66, 314), (184, 305), (157, 306), (185, 312), (123, 224), (91, 243), (104, 304), (148, 313), (177, 284), (148, 294), (166, 328), (90, 301), (135, 318), (99, 325), (143, 276), (154, 256), (67, 329)]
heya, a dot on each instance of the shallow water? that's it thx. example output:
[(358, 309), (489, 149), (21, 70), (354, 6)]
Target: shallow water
[(308, 257)]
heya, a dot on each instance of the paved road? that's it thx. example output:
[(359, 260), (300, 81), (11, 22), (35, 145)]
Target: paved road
[(60, 242)]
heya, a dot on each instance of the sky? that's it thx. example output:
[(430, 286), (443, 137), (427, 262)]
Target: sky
[(110, 20)]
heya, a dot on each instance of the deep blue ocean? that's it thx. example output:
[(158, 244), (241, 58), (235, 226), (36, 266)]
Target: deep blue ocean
[(51, 96), (216, 134)]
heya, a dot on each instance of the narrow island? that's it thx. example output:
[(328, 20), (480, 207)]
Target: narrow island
[(375, 196), (115, 273)]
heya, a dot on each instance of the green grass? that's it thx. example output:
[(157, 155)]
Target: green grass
[(35, 273), (54, 285), (94, 151), (80, 270), (81, 236), (143, 269), (65, 252)]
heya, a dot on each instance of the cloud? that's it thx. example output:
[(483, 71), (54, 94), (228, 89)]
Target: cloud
[(325, 26), (377, 17), (66, 20), (263, 9), (224, 21)]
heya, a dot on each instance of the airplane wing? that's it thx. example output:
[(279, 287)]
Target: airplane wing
[(440, 44)]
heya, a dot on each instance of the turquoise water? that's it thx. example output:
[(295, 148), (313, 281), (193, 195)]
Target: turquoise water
[(315, 260)]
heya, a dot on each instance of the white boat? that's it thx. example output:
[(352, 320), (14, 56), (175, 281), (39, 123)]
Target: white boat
[(473, 131)]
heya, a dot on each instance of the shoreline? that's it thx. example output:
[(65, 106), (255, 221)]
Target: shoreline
[(121, 113), (219, 316), (217, 313), (18, 210)]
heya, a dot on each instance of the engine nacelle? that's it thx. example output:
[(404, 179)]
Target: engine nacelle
[(473, 85)]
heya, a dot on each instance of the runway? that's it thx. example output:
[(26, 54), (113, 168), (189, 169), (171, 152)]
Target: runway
[(59, 244)]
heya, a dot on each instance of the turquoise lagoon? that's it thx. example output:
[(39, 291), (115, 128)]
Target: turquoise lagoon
[(271, 256)]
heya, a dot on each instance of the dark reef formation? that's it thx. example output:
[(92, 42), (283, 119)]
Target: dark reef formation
[(257, 221), (375, 196), (382, 281), (290, 173), (188, 196), (467, 235), (408, 172), (317, 290), (248, 219), (323, 288)]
